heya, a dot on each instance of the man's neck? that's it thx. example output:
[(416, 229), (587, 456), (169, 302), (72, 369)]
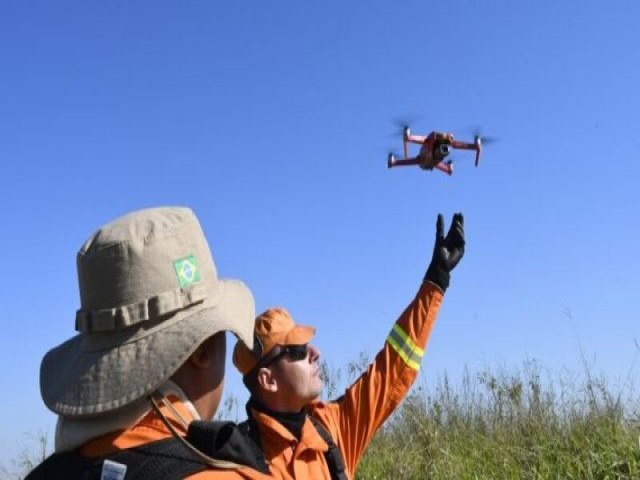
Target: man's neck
[(292, 421)]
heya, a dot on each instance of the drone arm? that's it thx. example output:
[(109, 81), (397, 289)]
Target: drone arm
[(463, 145), (419, 139), (477, 146), (445, 167), (403, 162)]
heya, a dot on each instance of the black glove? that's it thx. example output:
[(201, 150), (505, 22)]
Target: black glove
[(447, 251)]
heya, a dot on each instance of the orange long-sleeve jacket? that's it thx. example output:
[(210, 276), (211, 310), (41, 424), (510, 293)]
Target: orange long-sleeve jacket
[(352, 421)]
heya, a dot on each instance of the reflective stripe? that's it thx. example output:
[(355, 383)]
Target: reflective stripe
[(408, 351)]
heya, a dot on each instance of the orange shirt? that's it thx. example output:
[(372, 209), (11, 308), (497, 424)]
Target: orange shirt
[(352, 421)]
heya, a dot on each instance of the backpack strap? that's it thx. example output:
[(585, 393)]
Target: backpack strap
[(333, 456)]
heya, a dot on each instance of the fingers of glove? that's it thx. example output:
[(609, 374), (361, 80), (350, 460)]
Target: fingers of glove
[(440, 228), (455, 236), (458, 217)]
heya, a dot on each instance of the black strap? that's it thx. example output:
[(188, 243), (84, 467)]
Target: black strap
[(333, 456)]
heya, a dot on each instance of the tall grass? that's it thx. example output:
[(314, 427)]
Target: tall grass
[(500, 425), (32, 452)]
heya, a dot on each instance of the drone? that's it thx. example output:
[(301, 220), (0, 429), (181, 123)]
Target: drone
[(434, 151)]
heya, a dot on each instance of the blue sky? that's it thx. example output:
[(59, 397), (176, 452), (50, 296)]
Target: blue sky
[(272, 120)]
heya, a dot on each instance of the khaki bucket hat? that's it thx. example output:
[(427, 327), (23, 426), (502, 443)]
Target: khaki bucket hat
[(149, 296), (273, 327)]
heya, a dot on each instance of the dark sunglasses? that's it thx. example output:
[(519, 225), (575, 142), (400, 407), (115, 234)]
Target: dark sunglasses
[(295, 353)]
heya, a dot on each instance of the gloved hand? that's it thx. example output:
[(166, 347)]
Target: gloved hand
[(447, 251)]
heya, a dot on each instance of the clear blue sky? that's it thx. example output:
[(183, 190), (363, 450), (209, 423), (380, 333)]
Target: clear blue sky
[(271, 120)]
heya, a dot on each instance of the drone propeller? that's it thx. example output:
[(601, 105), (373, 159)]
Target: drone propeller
[(476, 131), (402, 123), (405, 119), (485, 140), (399, 130)]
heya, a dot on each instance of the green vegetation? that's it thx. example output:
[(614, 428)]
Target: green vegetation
[(33, 451), (508, 426)]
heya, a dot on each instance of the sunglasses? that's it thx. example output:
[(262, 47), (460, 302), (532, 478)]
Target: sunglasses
[(294, 352)]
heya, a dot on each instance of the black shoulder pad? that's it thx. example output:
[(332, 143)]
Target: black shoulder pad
[(66, 465), (227, 441)]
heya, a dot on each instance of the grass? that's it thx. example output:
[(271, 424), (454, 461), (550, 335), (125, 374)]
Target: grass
[(508, 426), (33, 451)]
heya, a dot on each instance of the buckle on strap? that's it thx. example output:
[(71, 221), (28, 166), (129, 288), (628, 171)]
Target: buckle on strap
[(152, 308)]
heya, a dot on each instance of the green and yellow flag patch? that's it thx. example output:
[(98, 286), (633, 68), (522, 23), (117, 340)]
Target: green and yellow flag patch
[(187, 271)]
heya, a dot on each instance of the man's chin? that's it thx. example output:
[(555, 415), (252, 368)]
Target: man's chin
[(318, 391)]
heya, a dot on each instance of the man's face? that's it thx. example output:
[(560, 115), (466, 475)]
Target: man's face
[(217, 349), (298, 380)]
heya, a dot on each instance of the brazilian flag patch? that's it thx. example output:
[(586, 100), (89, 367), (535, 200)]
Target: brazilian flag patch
[(187, 271)]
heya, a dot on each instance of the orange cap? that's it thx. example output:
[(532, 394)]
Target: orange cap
[(273, 327)]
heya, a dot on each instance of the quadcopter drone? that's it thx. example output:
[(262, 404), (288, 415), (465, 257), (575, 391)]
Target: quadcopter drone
[(434, 151)]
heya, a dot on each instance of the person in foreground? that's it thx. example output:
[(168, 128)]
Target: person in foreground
[(304, 438), (149, 355)]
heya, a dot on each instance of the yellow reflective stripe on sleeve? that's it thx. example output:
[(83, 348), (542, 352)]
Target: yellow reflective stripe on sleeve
[(408, 351), (407, 340)]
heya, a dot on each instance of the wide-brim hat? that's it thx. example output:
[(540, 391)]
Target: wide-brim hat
[(273, 327), (150, 295)]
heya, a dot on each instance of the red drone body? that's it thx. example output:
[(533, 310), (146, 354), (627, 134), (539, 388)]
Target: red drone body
[(434, 150)]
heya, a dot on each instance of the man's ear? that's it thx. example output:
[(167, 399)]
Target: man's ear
[(203, 356), (266, 380)]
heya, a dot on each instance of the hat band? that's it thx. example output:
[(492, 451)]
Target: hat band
[(118, 318)]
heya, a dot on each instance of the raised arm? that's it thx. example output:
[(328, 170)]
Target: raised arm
[(355, 417)]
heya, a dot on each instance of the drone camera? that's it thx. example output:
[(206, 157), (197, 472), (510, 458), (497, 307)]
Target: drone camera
[(443, 150)]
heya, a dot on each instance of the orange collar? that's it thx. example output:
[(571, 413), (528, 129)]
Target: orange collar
[(276, 438), (147, 430)]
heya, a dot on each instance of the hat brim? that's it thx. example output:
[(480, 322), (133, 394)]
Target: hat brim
[(79, 379), (299, 335)]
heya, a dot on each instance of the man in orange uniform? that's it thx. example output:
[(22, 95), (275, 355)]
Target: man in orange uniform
[(300, 436), (150, 353)]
